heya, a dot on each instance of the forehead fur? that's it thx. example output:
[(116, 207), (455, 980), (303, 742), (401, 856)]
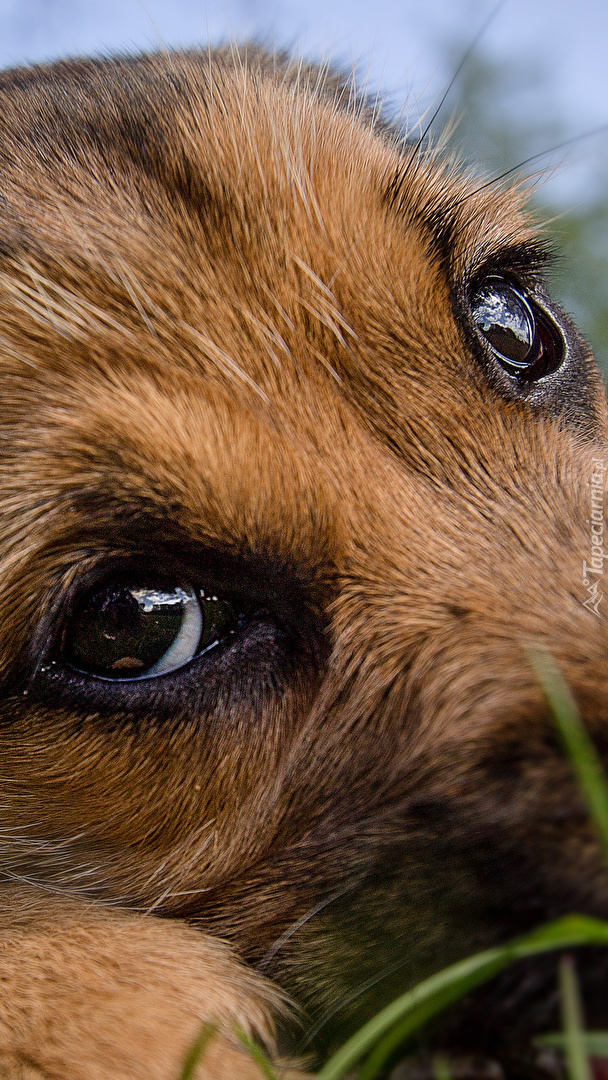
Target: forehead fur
[(236, 217), (138, 183)]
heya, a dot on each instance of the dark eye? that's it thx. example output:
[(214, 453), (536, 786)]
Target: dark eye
[(135, 631), (523, 340)]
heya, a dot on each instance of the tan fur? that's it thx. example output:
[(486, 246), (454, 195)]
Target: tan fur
[(229, 341)]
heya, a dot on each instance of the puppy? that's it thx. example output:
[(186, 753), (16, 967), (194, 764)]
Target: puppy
[(299, 460)]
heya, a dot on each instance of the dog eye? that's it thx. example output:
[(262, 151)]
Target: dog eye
[(523, 340), (125, 632)]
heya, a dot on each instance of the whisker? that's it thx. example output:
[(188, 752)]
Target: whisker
[(412, 150), (159, 900), (601, 130), (360, 990), (415, 149), (293, 929), (46, 886), (186, 892)]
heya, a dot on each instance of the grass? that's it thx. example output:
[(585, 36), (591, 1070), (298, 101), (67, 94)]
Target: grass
[(584, 758), (197, 1050), (365, 1055), (375, 1042), (572, 1021)]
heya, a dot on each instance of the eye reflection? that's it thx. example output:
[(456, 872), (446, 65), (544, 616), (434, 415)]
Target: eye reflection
[(123, 631), (505, 320)]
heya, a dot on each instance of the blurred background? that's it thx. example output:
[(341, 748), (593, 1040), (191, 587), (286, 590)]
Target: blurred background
[(536, 79)]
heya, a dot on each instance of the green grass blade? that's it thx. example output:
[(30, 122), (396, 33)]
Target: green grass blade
[(197, 1050), (595, 1042), (572, 1019), (255, 1051), (441, 1068), (579, 747), (402, 1017), (416, 1019)]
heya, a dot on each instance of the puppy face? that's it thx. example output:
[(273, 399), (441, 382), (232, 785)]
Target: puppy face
[(297, 466)]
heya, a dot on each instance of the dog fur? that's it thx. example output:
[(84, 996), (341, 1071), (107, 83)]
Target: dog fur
[(236, 347)]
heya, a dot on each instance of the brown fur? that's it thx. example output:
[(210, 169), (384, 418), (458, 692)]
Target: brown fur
[(234, 346)]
